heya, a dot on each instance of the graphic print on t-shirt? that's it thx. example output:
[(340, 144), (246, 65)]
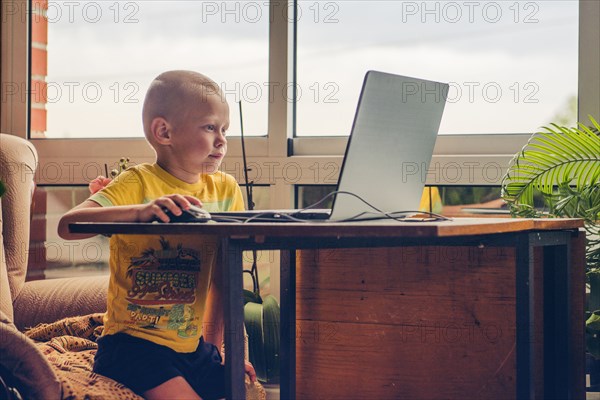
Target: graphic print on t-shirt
[(163, 288)]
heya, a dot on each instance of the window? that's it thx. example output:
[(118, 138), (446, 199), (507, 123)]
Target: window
[(511, 65), (92, 61), (274, 151)]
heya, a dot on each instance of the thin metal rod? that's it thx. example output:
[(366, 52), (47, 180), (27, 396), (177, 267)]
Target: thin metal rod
[(254, 270), (248, 189)]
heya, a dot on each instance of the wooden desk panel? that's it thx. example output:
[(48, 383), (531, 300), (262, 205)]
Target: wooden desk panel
[(431, 322)]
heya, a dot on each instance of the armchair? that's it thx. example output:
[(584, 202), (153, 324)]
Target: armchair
[(26, 304)]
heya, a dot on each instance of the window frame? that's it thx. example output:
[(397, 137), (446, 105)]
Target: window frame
[(279, 153)]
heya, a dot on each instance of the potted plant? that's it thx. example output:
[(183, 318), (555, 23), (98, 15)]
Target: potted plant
[(561, 167), (262, 320)]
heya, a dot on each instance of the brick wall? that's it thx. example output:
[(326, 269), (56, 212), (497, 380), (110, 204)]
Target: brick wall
[(39, 67)]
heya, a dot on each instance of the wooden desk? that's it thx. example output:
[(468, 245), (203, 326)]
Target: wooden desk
[(548, 274)]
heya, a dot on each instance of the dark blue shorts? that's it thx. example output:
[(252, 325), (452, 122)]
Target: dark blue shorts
[(142, 365)]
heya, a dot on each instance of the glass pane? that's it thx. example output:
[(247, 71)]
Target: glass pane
[(447, 200), (92, 61), (456, 195), (64, 258), (511, 65), (461, 200), (260, 196), (307, 195)]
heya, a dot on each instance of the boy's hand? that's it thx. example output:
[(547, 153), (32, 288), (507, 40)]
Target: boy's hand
[(250, 371), (173, 202)]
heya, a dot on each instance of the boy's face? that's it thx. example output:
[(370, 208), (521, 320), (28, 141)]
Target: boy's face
[(198, 142)]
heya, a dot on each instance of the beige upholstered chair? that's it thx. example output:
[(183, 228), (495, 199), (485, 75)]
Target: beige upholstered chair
[(26, 304)]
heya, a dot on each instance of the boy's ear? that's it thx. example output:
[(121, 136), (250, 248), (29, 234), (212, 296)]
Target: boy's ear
[(161, 130)]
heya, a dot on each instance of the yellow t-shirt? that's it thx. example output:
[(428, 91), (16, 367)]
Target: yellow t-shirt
[(158, 285)]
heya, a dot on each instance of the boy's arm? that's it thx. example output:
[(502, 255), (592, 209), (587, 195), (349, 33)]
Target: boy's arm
[(90, 211)]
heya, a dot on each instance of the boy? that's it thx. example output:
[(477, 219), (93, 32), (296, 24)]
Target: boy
[(162, 288)]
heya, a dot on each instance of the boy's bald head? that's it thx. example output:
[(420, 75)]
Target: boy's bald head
[(172, 93)]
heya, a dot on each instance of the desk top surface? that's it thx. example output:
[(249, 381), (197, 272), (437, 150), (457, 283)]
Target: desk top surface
[(455, 227)]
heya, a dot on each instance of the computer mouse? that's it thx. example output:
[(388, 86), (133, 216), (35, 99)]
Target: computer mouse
[(193, 214)]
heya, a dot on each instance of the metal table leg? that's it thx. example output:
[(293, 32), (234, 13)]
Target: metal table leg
[(557, 317), (287, 350), (231, 261), (525, 317)]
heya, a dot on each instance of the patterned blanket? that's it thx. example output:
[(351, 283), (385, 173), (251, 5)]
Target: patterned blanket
[(70, 347)]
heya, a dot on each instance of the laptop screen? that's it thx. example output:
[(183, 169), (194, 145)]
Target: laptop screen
[(391, 144)]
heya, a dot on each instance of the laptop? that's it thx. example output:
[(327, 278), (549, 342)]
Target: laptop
[(387, 157)]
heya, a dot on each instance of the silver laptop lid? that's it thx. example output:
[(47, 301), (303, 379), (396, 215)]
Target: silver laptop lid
[(391, 144)]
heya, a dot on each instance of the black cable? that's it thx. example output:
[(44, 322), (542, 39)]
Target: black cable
[(377, 214)]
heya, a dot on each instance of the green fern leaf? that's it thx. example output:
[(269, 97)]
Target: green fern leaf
[(552, 157)]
